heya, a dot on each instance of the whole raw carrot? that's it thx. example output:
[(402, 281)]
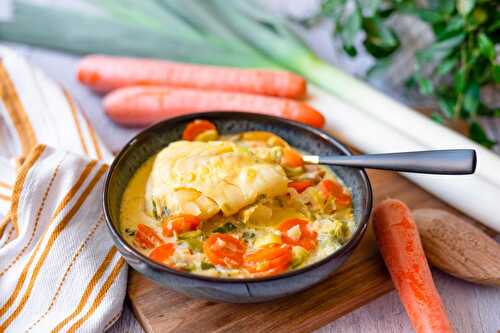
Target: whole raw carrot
[(399, 242), (106, 73), (143, 105)]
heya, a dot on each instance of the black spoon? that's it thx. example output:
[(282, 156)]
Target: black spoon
[(445, 162)]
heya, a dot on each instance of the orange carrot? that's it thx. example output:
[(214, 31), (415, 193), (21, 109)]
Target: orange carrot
[(269, 260), (225, 250), (143, 105), (291, 158), (329, 187), (162, 252), (300, 185), (180, 224), (146, 237), (106, 73), (399, 242), (308, 239), (195, 128)]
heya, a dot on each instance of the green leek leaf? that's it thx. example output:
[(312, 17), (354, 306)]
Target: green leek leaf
[(38, 24)]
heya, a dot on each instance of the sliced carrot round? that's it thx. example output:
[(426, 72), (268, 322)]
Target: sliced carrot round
[(300, 185), (332, 188), (225, 250), (269, 260), (195, 128), (162, 253), (146, 237), (305, 238), (291, 158), (180, 224)]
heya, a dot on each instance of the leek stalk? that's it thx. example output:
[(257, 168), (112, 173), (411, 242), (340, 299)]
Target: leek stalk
[(84, 33), (369, 133)]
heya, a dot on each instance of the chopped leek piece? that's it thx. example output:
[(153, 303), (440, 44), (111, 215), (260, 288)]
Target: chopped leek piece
[(267, 239), (190, 234), (206, 265), (225, 228), (299, 255), (208, 135)]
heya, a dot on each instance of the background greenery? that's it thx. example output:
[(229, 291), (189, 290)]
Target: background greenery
[(462, 59)]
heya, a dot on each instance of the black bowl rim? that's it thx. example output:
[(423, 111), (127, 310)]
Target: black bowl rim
[(353, 241)]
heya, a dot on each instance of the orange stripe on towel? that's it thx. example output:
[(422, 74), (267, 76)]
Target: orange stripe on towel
[(67, 198), (31, 159), (93, 136), (20, 119), (100, 296), (37, 221), (54, 235), (88, 289), (74, 113), (66, 272)]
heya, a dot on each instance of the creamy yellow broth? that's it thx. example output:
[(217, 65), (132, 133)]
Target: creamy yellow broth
[(252, 212)]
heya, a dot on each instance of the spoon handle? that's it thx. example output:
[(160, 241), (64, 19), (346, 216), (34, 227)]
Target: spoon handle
[(447, 162)]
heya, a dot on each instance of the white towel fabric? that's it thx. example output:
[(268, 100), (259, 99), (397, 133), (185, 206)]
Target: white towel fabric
[(59, 270)]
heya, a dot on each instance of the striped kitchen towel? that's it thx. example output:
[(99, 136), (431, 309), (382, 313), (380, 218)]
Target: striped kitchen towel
[(59, 270)]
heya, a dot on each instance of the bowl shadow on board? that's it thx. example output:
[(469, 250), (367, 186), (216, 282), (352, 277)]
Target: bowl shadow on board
[(303, 137)]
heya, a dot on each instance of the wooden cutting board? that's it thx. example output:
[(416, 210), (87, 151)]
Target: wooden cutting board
[(361, 279)]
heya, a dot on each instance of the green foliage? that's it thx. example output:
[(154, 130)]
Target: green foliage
[(368, 16), (464, 55), (477, 133)]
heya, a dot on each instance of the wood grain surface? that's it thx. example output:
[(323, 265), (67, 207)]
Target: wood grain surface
[(456, 247)]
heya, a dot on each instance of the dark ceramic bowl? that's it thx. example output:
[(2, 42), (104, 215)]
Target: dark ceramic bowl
[(303, 137)]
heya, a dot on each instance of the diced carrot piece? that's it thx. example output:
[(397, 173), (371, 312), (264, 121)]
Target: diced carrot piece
[(332, 188), (195, 128), (291, 158), (269, 260), (146, 237), (162, 253), (180, 224), (300, 185), (225, 250), (307, 238)]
